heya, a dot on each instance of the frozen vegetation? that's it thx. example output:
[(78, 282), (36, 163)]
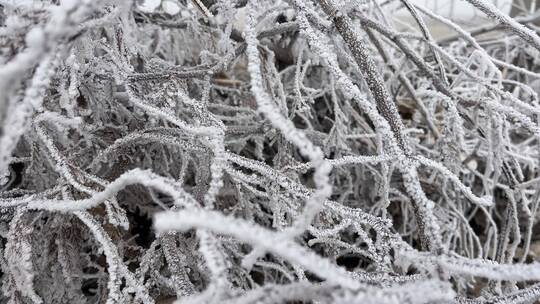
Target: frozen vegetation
[(250, 151)]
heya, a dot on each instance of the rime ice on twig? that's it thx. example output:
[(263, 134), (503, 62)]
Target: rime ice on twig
[(242, 151)]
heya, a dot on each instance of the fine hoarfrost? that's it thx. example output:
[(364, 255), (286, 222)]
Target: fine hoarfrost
[(249, 151)]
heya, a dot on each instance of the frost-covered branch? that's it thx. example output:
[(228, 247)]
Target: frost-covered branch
[(314, 151)]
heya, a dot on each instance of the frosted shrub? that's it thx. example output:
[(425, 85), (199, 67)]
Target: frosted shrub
[(248, 151)]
